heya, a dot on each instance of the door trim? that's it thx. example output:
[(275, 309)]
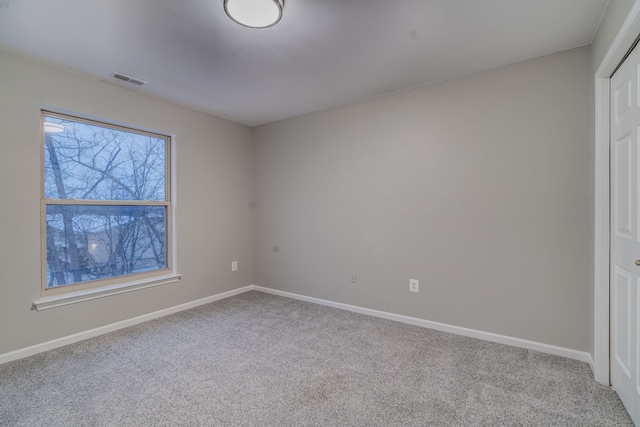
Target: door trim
[(622, 43)]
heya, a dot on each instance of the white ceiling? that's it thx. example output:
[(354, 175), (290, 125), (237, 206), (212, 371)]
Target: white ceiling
[(323, 53)]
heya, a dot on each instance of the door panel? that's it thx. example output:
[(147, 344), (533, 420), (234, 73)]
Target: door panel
[(623, 184), (625, 239), (622, 96), (622, 323)]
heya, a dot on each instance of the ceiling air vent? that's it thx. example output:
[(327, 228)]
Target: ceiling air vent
[(129, 79)]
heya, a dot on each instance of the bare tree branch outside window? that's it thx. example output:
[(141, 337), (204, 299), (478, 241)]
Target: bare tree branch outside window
[(105, 192)]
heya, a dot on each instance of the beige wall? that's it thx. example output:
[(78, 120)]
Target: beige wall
[(214, 161), (477, 186)]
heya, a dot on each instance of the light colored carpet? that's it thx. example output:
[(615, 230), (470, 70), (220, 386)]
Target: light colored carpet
[(262, 360)]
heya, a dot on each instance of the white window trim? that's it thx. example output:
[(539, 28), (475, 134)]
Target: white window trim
[(72, 297), (104, 291)]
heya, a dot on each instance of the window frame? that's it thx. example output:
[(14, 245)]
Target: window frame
[(75, 292)]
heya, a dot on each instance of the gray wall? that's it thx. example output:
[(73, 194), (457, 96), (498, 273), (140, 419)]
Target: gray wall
[(477, 186), (612, 20), (214, 161), (480, 186)]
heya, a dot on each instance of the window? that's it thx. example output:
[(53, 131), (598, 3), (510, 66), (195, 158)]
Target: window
[(106, 208)]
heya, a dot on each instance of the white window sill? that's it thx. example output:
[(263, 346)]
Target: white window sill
[(89, 294)]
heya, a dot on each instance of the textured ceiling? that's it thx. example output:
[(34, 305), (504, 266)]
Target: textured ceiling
[(323, 53)]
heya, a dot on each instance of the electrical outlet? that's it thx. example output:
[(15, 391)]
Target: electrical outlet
[(414, 285), (234, 266), (352, 277)]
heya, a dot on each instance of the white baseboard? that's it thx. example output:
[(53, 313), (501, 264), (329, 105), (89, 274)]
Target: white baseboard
[(582, 356), (473, 333), (70, 339), (592, 365)]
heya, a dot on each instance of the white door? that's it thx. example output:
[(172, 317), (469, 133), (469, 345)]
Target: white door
[(625, 238)]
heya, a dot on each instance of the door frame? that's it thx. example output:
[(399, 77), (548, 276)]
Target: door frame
[(627, 35)]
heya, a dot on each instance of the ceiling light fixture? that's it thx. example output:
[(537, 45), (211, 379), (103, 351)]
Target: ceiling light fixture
[(254, 13)]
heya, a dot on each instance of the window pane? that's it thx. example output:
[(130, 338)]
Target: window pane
[(93, 162), (87, 242)]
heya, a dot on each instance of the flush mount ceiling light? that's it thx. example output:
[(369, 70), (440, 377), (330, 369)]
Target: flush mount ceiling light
[(254, 13)]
